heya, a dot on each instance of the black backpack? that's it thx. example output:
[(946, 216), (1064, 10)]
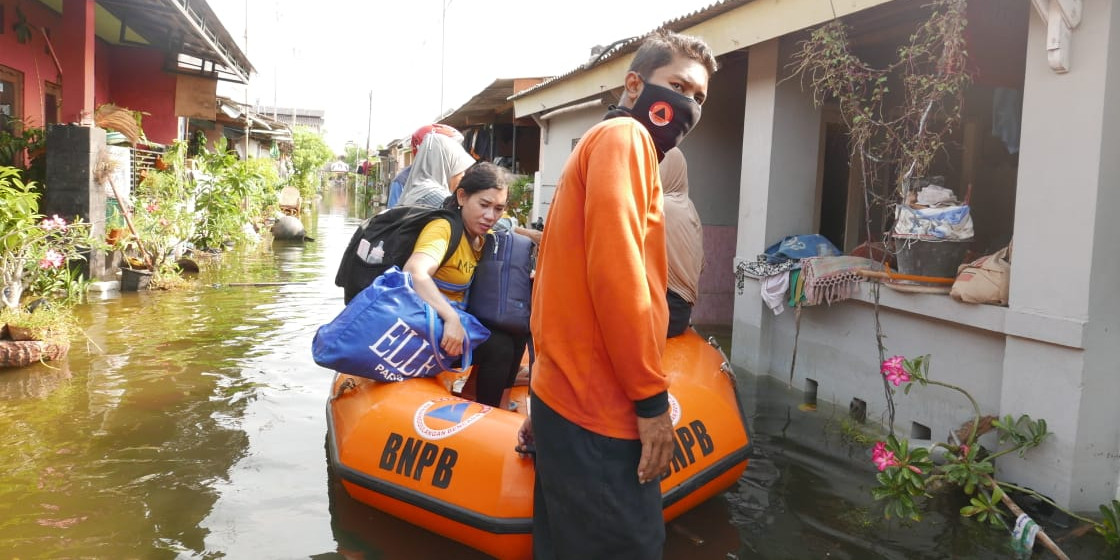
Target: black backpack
[(387, 240)]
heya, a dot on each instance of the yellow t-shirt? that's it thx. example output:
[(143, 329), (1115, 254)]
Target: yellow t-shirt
[(454, 277)]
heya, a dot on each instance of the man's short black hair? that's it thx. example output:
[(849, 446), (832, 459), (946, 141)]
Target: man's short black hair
[(658, 48)]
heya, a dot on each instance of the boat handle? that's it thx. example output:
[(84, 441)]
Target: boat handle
[(725, 367)]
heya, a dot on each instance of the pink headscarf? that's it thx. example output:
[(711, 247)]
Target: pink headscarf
[(418, 136)]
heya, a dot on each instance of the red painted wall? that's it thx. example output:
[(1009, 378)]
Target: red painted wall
[(137, 81), (101, 63), (131, 77), (31, 57)]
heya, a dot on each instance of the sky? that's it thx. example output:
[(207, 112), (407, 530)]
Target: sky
[(381, 69)]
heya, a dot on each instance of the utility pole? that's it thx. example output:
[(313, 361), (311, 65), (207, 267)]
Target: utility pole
[(248, 122), (369, 121), (275, 67), (442, 51)]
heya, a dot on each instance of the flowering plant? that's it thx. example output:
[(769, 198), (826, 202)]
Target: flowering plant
[(907, 473), (163, 227), (163, 214), (34, 249)]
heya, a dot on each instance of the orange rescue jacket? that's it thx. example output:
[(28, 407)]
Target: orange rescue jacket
[(599, 310)]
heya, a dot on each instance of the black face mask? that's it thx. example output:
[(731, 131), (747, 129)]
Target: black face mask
[(666, 114)]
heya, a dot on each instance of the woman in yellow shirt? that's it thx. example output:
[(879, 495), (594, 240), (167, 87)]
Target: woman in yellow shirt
[(480, 198)]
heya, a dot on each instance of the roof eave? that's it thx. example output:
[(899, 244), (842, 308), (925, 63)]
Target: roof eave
[(215, 36), (726, 26)]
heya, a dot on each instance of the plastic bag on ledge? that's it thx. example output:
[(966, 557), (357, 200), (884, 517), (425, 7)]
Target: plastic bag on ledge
[(950, 223)]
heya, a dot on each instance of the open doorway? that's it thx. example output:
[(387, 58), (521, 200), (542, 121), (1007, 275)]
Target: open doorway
[(979, 161)]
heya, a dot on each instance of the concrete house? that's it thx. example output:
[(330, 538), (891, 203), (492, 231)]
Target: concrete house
[(248, 132), (490, 131), (765, 163), (62, 59)]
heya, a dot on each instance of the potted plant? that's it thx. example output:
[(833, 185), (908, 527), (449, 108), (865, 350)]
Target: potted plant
[(34, 253), (163, 219), (230, 194), (46, 322)]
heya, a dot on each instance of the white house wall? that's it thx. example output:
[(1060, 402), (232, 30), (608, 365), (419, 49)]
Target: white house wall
[(1052, 354), (837, 349), (779, 157), (1101, 336), (713, 147), (558, 137), (712, 151), (1064, 274)]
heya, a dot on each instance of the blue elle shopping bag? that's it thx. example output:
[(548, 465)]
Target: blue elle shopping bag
[(389, 333)]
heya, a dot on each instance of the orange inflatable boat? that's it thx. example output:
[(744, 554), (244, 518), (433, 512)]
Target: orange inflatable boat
[(419, 452)]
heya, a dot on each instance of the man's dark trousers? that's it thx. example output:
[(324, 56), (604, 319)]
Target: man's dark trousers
[(587, 501)]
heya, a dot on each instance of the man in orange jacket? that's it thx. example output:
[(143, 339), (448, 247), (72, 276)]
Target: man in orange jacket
[(600, 411)]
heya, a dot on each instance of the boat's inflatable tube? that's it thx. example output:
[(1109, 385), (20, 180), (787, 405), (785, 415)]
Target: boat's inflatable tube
[(420, 453)]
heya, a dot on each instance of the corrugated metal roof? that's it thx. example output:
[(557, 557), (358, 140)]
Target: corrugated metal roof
[(188, 27), (627, 46), (487, 105)]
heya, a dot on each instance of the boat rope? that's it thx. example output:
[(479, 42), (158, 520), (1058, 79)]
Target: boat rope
[(346, 385)]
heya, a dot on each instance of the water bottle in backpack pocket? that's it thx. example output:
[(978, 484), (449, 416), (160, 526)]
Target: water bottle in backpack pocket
[(387, 240)]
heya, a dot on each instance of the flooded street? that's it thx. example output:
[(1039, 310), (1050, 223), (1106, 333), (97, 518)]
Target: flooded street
[(191, 425)]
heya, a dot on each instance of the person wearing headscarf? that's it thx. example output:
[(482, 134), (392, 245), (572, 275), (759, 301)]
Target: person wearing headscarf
[(684, 240), (440, 164), (396, 186)]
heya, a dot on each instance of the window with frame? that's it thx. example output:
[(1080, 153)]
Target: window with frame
[(52, 103), (11, 94)]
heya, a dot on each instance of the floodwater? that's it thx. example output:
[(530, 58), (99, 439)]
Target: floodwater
[(191, 424)]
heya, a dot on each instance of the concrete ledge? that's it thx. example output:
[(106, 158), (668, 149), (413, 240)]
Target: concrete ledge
[(1062, 331), (937, 306), (104, 290), (105, 286)]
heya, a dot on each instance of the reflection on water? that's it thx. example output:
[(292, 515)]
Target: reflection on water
[(807, 495), (192, 425), (33, 382), (187, 426)]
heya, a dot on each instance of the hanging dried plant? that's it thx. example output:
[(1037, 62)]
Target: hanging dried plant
[(931, 72), (124, 121)]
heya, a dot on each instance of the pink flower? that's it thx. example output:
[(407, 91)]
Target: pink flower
[(883, 458), (53, 223), (163, 222), (894, 372), (964, 451), (152, 207), (53, 259)]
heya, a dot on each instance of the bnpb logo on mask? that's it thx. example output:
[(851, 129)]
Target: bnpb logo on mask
[(660, 113)]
